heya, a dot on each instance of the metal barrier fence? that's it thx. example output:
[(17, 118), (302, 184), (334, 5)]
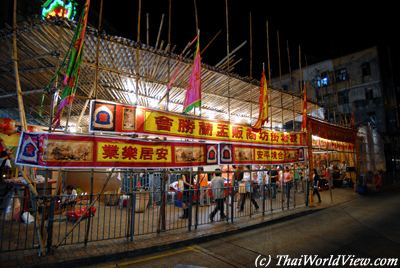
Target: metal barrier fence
[(142, 211)]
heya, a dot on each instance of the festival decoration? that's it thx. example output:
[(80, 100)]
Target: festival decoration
[(140, 120), (263, 103), (193, 91), (59, 8)]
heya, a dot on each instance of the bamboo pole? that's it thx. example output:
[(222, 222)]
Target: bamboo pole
[(294, 114), (138, 55), (251, 64), (228, 57), (301, 74), (282, 110), (196, 16), (289, 66), (94, 89), (169, 47), (211, 41), (86, 210), (24, 124), (139, 19), (159, 31), (147, 29), (279, 60), (16, 73), (269, 74), (269, 63)]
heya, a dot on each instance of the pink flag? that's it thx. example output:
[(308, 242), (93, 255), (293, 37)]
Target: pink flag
[(193, 91)]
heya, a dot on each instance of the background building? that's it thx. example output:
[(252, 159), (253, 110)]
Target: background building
[(364, 83)]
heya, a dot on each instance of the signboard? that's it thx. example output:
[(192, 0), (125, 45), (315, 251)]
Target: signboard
[(78, 151), (118, 118), (242, 154), (331, 145)]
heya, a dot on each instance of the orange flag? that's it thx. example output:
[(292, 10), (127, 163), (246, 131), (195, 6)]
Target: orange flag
[(263, 102)]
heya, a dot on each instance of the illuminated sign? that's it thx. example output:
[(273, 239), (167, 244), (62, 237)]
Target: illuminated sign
[(59, 8)]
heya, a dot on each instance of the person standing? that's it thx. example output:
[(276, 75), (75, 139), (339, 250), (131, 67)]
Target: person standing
[(316, 181), (217, 185), (297, 177), (187, 194), (203, 183), (274, 178), (250, 189), (288, 182)]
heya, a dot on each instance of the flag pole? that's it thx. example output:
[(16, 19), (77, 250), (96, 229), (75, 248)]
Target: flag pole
[(228, 58), (279, 59), (169, 47), (198, 36), (228, 84), (137, 54), (96, 73), (301, 74), (251, 66), (269, 73), (289, 66)]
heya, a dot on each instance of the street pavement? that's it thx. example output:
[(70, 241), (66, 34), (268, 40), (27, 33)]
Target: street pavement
[(368, 226)]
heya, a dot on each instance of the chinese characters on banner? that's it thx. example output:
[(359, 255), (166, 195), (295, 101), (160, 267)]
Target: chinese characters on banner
[(78, 151), (242, 154), (149, 121), (330, 145)]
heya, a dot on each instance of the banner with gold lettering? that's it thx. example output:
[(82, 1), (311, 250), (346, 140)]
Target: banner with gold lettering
[(242, 154), (118, 118), (79, 151)]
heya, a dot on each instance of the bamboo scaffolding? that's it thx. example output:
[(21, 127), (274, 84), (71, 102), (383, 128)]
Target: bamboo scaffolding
[(116, 69)]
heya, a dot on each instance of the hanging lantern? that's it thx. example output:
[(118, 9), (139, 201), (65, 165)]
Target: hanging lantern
[(7, 126)]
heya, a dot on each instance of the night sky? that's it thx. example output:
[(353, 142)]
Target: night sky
[(324, 29)]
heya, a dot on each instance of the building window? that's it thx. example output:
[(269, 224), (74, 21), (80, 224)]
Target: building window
[(322, 80), (366, 69), (369, 94), (343, 97), (342, 75)]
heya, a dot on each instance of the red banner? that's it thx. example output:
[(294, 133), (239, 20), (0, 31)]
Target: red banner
[(331, 132), (78, 151), (242, 154)]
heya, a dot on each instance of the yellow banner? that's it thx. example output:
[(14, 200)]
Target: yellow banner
[(169, 124), (275, 155), (126, 152)]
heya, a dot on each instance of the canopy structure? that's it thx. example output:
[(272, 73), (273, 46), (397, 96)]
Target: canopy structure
[(128, 73)]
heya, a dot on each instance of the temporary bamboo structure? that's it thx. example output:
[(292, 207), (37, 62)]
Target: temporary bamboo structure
[(114, 60)]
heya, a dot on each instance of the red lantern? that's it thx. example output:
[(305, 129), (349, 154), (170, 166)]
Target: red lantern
[(7, 126)]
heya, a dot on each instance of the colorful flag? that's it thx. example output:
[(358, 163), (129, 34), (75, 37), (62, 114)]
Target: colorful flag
[(193, 91), (263, 102), (304, 119), (177, 70), (75, 52)]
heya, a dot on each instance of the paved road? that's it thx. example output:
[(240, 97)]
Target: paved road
[(366, 227)]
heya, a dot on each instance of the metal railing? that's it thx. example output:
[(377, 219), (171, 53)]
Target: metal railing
[(26, 221)]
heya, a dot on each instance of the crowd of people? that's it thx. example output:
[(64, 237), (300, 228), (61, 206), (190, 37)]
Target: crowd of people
[(249, 184)]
